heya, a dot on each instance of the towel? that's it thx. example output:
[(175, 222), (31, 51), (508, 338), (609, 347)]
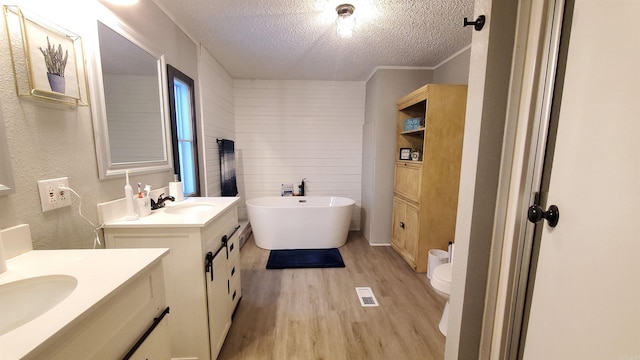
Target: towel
[(227, 168)]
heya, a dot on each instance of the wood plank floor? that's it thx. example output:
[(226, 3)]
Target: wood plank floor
[(316, 314)]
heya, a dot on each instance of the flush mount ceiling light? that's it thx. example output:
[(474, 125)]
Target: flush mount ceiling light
[(346, 22)]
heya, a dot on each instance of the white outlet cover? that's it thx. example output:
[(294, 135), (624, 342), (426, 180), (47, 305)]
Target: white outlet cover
[(51, 196)]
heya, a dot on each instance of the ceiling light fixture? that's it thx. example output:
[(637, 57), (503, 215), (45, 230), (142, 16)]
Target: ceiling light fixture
[(346, 22)]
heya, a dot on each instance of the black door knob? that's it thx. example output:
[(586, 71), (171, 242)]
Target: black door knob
[(536, 214)]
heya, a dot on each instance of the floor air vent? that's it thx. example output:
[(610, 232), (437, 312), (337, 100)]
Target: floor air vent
[(366, 296)]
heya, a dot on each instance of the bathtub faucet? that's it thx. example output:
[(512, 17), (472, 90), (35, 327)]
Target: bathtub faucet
[(301, 187)]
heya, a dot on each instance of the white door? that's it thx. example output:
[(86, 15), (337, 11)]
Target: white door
[(586, 298)]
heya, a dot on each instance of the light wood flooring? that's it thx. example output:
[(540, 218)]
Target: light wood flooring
[(316, 314)]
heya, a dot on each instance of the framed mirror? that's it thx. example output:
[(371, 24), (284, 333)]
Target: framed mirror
[(128, 103)]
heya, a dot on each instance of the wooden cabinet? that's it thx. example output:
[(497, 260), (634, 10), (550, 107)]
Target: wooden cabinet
[(426, 190), (406, 226), (200, 311)]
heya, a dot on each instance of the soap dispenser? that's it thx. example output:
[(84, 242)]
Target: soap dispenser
[(301, 187)]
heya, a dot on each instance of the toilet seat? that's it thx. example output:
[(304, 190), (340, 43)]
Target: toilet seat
[(441, 279)]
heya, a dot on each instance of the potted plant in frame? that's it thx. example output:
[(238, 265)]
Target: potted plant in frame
[(56, 61)]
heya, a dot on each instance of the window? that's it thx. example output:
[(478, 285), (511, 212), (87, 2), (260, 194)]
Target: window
[(183, 129)]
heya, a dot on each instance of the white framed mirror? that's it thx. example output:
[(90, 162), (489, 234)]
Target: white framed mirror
[(128, 103)]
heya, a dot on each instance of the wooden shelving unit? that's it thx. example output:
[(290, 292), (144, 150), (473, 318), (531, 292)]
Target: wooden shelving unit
[(426, 191)]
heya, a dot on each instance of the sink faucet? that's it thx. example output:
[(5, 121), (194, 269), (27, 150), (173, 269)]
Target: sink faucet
[(160, 202), (301, 187)]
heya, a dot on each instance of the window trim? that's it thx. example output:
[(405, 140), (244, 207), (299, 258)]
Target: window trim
[(173, 73)]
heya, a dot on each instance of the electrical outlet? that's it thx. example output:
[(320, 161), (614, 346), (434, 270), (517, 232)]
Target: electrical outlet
[(52, 196)]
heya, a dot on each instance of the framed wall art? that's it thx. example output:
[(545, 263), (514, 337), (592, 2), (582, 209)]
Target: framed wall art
[(405, 153), (48, 61)]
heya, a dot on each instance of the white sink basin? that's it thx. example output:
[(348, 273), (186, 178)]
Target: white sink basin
[(24, 300), (189, 208)]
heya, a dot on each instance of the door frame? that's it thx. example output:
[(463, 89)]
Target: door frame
[(533, 80)]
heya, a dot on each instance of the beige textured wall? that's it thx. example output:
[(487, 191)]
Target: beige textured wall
[(48, 141), (455, 70)]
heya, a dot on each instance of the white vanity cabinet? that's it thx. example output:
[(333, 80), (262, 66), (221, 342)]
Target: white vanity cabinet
[(201, 309), (113, 330), (117, 309)]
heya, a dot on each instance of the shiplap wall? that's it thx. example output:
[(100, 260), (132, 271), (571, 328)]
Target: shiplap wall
[(217, 121), (290, 130)]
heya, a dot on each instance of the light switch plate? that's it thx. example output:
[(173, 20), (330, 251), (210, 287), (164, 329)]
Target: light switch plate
[(51, 196)]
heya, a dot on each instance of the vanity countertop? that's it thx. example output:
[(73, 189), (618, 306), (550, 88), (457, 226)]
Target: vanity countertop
[(211, 208), (100, 275)]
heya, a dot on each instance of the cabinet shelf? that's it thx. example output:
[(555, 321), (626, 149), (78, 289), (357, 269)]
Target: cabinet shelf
[(417, 162), (425, 197), (417, 132)]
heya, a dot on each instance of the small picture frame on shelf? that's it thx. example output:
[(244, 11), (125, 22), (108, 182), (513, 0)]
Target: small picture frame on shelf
[(405, 153)]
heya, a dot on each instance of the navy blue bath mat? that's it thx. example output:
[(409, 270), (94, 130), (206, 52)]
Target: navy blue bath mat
[(305, 258)]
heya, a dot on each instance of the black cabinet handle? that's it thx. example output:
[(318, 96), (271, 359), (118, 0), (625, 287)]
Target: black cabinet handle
[(233, 271), (146, 334), (233, 297), (401, 224), (208, 263)]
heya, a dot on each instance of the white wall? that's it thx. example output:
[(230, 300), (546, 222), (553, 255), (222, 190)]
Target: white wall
[(48, 142), (489, 74), (217, 119), (290, 130)]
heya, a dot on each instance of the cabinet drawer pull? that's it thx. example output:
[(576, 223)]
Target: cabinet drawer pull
[(231, 247), (225, 240), (233, 297), (401, 224), (233, 271), (146, 334)]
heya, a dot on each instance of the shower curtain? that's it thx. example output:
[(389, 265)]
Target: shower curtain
[(227, 168)]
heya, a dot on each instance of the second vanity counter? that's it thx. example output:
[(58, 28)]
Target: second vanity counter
[(102, 276)]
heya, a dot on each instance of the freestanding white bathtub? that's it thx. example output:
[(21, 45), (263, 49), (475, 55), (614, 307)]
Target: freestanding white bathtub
[(300, 222)]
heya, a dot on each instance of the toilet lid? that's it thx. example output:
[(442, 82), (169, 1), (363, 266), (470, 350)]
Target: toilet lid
[(441, 278)]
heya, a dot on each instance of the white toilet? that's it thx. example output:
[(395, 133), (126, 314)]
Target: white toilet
[(441, 282)]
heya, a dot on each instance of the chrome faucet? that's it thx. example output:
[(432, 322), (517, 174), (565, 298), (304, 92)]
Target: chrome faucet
[(160, 202)]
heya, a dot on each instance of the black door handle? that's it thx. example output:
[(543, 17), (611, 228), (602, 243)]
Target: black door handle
[(535, 214)]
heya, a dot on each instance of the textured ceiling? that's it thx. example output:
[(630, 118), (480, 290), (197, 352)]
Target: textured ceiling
[(296, 39)]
